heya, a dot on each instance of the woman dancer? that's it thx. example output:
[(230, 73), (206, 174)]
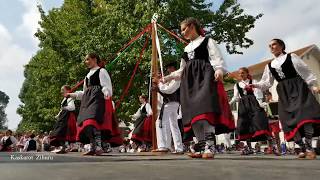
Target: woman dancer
[(204, 104), (299, 111), (142, 132), (96, 120), (65, 129), (252, 124)]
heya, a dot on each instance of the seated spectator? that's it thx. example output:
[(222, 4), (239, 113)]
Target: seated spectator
[(8, 142), (31, 145)]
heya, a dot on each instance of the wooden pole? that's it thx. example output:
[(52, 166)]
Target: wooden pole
[(154, 93)]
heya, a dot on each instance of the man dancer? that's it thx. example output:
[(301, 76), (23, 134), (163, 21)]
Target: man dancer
[(167, 123)]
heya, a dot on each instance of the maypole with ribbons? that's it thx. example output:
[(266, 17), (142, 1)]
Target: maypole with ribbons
[(156, 60)]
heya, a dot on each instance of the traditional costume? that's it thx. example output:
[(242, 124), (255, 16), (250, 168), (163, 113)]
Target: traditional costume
[(96, 121), (142, 131), (65, 129), (299, 111), (204, 104), (167, 127), (252, 123)]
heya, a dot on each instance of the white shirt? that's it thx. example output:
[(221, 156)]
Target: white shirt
[(170, 87), (236, 95), (301, 67), (148, 109), (215, 56), (105, 82), (70, 105)]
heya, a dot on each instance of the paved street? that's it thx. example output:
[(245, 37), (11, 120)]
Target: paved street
[(145, 166)]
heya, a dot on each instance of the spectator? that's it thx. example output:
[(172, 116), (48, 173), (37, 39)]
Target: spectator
[(31, 145), (8, 142)]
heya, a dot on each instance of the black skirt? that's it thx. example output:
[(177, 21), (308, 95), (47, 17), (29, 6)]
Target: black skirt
[(198, 91), (252, 123), (64, 129), (142, 129), (297, 106), (92, 108), (92, 105)]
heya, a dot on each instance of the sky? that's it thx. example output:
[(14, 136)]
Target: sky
[(294, 21)]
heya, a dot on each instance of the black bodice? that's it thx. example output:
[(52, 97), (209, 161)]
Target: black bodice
[(243, 92), (288, 70), (174, 97), (201, 52), (94, 79)]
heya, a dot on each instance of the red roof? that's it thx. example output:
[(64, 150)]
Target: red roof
[(259, 68)]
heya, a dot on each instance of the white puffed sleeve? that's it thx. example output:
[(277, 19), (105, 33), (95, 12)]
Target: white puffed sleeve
[(148, 109), (266, 81), (105, 82), (169, 88), (258, 94), (70, 106), (236, 95), (215, 56), (303, 70)]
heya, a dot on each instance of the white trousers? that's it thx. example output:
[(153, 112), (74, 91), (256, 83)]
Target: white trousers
[(170, 128), (227, 139)]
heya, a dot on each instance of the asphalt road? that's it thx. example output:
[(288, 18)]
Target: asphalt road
[(72, 166)]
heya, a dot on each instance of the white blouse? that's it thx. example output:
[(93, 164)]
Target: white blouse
[(148, 109), (215, 56), (301, 67), (105, 82), (236, 95), (170, 87), (70, 105)]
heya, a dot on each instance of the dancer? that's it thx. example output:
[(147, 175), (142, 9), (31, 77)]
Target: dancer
[(273, 124), (65, 130), (167, 127), (142, 131), (252, 124), (205, 109), (96, 120), (299, 111)]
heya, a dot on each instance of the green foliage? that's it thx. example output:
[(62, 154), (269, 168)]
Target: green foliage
[(104, 26), (4, 100)]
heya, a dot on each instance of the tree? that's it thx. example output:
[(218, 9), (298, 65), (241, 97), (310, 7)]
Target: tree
[(103, 26), (4, 100)]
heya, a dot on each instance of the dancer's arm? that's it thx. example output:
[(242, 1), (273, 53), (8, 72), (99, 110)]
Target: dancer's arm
[(258, 94), (304, 71), (216, 59), (78, 94), (176, 74), (70, 106), (148, 109), (170, 88), (266, 81), (236, 96), (105, 82)]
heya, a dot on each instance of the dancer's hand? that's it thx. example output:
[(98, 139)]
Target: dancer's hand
[(72, 95), (218, 75), (156, 80), (315, 89)]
